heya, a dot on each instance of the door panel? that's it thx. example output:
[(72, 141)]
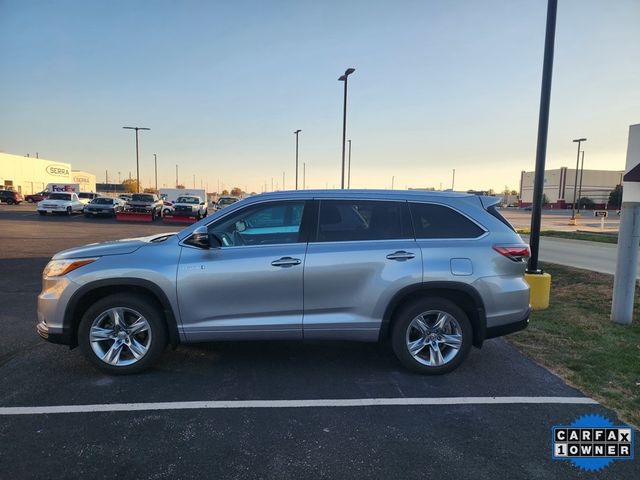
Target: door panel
[(252, 286), (236, 292), (348, 284)]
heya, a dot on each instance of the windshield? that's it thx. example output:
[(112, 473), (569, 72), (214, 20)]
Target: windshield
[(227, 201), (142, 198), (193, 200), (60, 196), (102, 201)]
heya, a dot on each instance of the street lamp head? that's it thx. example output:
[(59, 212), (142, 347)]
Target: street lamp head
[(297, 132), (580, 140), (347, 72)]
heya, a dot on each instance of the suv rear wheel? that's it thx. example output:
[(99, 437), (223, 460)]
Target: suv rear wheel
[(122, 333), (431, 336)]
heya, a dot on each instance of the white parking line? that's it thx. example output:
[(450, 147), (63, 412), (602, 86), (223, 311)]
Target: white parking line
[(347, 402)]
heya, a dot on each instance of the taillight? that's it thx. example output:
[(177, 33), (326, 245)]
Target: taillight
[(517, 253)]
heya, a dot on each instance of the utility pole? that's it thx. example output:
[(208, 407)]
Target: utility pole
[(283, 187), (155, 164), (106, 176), (194, 180), (177, 176), (393, 179), (349, 169), (344, 78), (296, 134), (575, 182), (580, 187), (137, 129), (453, 180)]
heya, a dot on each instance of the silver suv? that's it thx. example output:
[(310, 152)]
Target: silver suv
[(433, 273)]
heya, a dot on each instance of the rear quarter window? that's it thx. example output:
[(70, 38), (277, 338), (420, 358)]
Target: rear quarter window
[(438, 221)]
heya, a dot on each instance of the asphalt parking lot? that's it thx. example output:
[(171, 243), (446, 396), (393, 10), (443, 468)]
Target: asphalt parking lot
[(455, 431)]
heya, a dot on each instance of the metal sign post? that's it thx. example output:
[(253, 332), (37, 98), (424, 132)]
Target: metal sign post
[(624, 284)]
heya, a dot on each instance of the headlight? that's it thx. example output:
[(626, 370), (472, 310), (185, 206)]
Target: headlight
[(58, 268)]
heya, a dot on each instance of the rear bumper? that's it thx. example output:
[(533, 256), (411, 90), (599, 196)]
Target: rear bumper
[(506, 329)]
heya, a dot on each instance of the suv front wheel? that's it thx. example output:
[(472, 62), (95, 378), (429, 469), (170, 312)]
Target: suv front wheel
[(431, 336), (122, 333)]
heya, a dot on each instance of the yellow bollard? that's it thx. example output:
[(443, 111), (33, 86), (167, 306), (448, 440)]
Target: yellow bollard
[(540, 289)]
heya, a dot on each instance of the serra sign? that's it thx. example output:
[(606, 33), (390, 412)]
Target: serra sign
[(58, 170)]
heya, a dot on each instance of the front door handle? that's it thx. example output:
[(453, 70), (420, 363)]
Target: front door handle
[(286, 262), (401, 255)]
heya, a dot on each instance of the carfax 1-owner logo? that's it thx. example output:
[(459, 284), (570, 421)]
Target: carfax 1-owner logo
[(592, 442)]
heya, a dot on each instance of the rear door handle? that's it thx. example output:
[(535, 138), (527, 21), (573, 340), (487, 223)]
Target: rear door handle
[(401, 255), (286, 262)]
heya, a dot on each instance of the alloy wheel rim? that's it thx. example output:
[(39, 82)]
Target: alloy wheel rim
[(434, 338), (120, 336)]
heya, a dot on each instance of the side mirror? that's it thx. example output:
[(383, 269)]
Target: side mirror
[(200, 238)]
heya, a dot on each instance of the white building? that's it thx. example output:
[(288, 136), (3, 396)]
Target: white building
[(29, 175), (559, 185)]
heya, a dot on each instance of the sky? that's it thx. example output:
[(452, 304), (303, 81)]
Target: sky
[(439, 85)]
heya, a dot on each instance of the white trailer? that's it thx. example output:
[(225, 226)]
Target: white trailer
[(171, 194), (63, 187)]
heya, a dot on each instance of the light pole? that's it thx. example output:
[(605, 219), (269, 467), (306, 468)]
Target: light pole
[(393, 179), (155, 164), (304, 176), (349, 169), (575, 183), (344, 78), (137, 155), (453, 180), (177, 176), (283, 188), (580, 187), (296, 134), (541, 148)]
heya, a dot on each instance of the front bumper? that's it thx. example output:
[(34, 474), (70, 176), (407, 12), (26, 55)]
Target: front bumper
[(53, 298), (99, 211)]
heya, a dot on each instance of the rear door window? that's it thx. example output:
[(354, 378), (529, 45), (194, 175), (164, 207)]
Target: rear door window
[(438, 221), (357, 220)]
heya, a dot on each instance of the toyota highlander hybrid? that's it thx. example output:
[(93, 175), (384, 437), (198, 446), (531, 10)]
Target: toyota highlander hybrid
[(432, 273)]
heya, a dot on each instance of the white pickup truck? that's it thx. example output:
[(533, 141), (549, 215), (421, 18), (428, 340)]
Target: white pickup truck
[(188, 206), (67, 203)]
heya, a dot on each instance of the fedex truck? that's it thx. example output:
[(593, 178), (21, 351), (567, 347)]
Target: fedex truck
[(63, 187)]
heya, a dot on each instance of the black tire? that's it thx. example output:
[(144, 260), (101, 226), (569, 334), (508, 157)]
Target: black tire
[(41, 212), (146, 308), (69, 211), (403, 320), (10, 201)]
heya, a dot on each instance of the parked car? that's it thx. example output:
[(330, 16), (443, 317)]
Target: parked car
[(36, 197), (125, 197), (67, 203), (145, 203), (103, 206), (10, 197), (87, 197), (432, 272), (188, 206), (224, 201)]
